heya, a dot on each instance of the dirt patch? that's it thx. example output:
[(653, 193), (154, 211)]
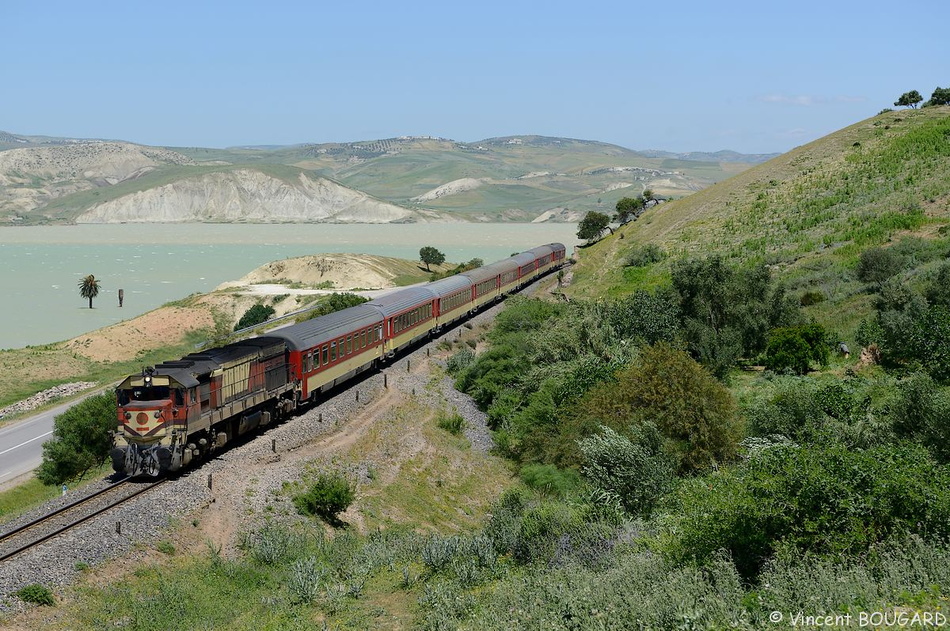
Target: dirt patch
[(165, 326)]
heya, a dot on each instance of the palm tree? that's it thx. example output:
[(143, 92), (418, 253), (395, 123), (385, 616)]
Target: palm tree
[(89, 288)]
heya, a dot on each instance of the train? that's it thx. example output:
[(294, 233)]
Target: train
[(180, 411)]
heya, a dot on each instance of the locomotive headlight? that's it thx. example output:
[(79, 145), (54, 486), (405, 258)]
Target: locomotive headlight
[(128, 415), (158, 414)]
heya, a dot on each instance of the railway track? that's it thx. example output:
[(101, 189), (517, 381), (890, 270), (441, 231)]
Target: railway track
[(63, 519)]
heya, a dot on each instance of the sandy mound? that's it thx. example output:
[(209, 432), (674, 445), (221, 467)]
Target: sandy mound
[(162, 327), (330, 271)]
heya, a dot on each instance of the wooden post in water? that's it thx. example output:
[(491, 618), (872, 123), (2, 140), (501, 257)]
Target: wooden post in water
[(121, 296)]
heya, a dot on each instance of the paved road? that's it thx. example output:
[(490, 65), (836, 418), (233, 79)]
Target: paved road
[(21, 443)]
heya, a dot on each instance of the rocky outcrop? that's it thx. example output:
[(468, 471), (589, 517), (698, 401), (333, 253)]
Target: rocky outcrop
[(451, 188), (251, 196), (34, 176)]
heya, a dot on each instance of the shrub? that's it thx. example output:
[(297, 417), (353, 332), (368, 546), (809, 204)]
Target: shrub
[(328, 496), (824, 499), (638, 472), (271, 544), (876, 265), (82, 438), (794, 348), (36, 594), (332, 304), (460, 361), (920, 412), (255, 315), (645, 255), (811, 298), (452, 423), (694, 412), (550, 480)]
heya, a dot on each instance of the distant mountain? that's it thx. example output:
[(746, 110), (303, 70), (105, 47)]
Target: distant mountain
[(409, 178)]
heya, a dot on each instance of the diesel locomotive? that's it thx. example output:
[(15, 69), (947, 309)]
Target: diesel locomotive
[(179, 411)]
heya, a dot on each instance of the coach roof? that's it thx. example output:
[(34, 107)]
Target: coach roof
[(448, 286), (316, 331), (399, 301)]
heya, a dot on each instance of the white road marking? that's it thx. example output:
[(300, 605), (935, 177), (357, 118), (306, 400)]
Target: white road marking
[(26, 442)]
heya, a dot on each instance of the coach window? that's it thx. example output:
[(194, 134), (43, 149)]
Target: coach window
[(333, 351), (363, 338), (326, 355), (308, 364), (349, 344)]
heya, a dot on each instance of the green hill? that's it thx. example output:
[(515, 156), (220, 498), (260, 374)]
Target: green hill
[(807, 213)]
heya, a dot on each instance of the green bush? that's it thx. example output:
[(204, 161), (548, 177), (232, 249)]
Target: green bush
[(645, 255), (794, 348), (921, 412), (823, 499), (875, 265), (36, 594), (255, 315), (695, 413), (328, 496), (550, 480), (332, 304), (82, 438), (452, 423), (460, 360), (637, 472)]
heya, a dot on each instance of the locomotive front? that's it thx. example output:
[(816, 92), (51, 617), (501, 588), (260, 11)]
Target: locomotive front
[(152, 425)]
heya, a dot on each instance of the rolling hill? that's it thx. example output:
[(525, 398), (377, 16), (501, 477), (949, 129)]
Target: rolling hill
[(408, 179)]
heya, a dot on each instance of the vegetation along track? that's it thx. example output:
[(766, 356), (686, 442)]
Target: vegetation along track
[(68, 517)]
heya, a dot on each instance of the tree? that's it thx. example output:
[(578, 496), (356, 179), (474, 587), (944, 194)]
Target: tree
[(81, 440), (628, 207), (648, 195), (89, 288), (429, 255), (909, 99), (592, 226), (941, 96)]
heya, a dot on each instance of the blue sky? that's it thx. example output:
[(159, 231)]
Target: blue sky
[(682, 76)]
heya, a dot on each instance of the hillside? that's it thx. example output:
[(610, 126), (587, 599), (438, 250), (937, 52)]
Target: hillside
[(806, 213), (408, 179)]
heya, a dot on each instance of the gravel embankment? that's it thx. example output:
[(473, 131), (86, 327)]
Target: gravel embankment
[(144, 521)]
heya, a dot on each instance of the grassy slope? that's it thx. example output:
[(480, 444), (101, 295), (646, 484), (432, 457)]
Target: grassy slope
[(807, 213)]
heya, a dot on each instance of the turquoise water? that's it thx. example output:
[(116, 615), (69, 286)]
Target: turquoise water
[(155, 264)]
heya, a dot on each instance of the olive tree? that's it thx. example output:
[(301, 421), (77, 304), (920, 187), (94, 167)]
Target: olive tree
[(593, 225), (909, 99), (431, 256)]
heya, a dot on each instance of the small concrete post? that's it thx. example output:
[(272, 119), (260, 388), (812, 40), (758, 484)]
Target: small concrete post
[(407, 365), (118, 527), (385, 381), (357, 396), (273, 445), (209, 480)]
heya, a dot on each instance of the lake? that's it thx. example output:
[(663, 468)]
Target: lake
[(158, 263)]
